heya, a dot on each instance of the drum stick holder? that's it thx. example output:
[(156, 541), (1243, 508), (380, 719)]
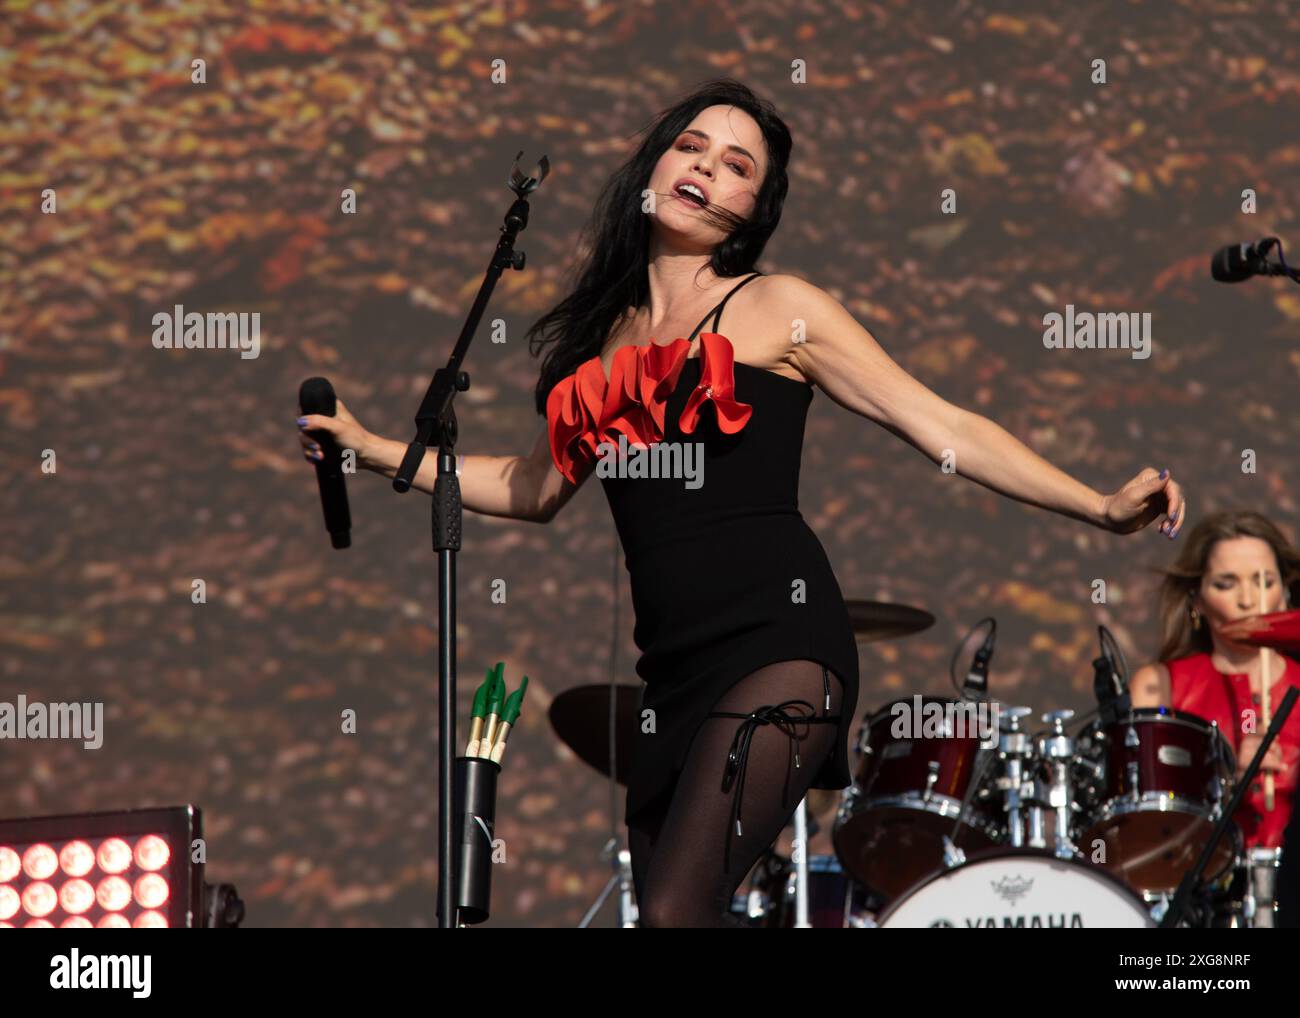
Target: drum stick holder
[(473, 828)]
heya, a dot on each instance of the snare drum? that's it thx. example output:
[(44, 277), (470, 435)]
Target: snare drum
[(1019, 889), (1164, 775), (906, 797)]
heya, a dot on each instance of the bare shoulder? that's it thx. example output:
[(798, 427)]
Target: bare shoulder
[(1150, 686), (786, 312), (759, 319), (1154, 670), (782, 292)]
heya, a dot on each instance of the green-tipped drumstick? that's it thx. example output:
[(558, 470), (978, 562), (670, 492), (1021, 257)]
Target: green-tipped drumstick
[(495, 701), (478, 714), (510, 715)]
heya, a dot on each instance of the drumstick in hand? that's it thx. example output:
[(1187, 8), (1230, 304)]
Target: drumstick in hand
[(1265, 702)]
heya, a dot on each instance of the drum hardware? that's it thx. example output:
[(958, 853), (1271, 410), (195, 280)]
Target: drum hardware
[(1015, 750), (801, 866), (833, 900), (1057, 750), (1179, 905), (1259, 901), (931, 777)]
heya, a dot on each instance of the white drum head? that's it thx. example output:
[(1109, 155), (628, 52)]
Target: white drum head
[(1019, 890)]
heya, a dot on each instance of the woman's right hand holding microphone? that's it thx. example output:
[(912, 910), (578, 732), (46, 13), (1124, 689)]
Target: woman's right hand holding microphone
[(345, 429)]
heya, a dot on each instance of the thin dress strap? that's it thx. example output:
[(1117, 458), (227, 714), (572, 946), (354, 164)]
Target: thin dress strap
[(716, 310)]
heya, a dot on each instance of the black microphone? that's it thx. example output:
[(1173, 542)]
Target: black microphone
[(1239, 262), (1108, 682), (316, 396), (977, 679)]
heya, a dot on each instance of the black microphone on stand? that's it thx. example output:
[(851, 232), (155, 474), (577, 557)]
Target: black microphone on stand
[(977, 678), (316, 396), (1239, 262), (1108, 680)]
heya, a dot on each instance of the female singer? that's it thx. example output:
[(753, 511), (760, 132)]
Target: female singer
[(738, 614), (1214, 581)]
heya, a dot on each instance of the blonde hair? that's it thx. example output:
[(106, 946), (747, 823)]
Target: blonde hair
[(1183, 578)]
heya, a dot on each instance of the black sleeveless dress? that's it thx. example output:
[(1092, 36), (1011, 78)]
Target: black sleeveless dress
[(727, 577)]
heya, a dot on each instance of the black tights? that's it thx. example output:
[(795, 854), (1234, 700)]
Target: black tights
[(679, 844)]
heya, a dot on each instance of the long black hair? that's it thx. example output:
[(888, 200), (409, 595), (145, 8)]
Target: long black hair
[(614, 275)]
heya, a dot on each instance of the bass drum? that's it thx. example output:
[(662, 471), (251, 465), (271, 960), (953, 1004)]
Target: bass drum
[(1018, 889)]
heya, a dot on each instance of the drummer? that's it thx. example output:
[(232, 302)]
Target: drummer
[(1214, 581)]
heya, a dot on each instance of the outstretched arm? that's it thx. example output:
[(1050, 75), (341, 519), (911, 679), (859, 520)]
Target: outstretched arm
[(518, 487), (845, 360)]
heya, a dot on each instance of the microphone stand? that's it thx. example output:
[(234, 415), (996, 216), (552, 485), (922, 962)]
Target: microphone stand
[(435, 423), (1109, 682), (1184, 893)]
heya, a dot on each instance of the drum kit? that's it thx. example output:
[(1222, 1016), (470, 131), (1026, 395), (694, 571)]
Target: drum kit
[(1087, 821)]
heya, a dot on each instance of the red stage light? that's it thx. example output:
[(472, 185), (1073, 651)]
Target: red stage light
[(40, 862), (151, 852), (114, 855), (151, 890), (77, 858), (10, 864), (76, 896), (39, 899), (113, 894), (125, 869), (9, 902)]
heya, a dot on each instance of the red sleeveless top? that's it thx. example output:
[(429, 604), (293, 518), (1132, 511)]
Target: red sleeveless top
[(1200, 688)]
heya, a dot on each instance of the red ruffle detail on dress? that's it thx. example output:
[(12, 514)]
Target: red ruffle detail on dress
[(717, 383), (584, 411)]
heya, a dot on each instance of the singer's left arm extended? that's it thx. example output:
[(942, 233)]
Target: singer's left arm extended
[(844, 359)]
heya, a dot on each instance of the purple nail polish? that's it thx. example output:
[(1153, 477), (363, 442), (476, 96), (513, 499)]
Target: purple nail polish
[(1164, 473), (302, 421)]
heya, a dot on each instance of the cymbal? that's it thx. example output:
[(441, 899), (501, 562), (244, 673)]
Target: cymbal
[(881, 620), (580, 718), (1279, 630)]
